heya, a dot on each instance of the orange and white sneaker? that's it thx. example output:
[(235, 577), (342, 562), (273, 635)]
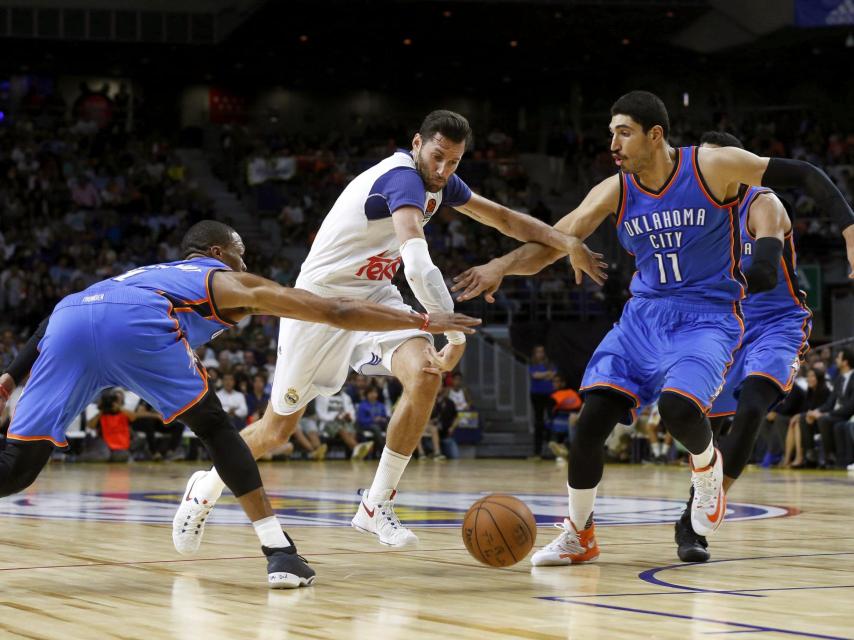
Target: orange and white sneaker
[(709, 505), (570, 547)]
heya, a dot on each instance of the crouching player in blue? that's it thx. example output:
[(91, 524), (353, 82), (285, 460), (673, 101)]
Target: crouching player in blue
[(777, 327), (138, 331)]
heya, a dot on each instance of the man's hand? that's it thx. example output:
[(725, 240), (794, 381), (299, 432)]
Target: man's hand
[(483, 279), (444, 322), (583, 260), (8, 385), (444, 360)]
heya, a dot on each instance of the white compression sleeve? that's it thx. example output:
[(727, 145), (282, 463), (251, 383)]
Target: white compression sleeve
[(427, 283)]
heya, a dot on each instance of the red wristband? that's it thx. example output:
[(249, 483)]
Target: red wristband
[(426, 317)]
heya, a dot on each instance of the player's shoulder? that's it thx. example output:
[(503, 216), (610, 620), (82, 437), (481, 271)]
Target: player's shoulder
[(608, 193)]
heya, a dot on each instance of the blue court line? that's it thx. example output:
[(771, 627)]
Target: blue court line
[(734, 592), (748, 628), (650, 574)]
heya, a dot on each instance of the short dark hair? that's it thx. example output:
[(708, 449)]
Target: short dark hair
[(721, 138), (848, 356), (645, 108), (448, 124), (204, 235)]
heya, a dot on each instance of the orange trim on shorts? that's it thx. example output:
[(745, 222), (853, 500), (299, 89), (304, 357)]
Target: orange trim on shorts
[(725, 414), (704, 409), (613, 386), (61, 445), (195, 400), (670, 181), (785, 388)]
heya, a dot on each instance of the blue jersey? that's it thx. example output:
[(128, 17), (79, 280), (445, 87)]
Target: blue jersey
[(685, 242), (787, 295), (184, 287)]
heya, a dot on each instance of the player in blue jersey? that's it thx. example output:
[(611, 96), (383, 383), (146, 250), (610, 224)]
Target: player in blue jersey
[(138, 331), (777, 327), (676, 212)]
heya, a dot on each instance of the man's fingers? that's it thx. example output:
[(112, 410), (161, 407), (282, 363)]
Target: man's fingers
[(432, 371)]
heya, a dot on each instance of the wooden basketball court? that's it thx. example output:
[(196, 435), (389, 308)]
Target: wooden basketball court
[(87, 553)]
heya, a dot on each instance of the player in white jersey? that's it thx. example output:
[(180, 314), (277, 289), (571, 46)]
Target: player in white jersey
[(375, 225)]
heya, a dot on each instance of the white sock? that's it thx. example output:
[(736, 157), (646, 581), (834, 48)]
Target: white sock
[(581, 505), (656, 449), (704, 459), (391, 467), (209, 487), (270, 533)]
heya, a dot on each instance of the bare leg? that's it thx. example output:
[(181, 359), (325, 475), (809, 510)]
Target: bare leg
[(302, 440), (434, 436), (348, 438), (799, 447), (419, 395), (270, 432)]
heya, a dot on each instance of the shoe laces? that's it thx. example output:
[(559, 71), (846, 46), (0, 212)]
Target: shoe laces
[(196, 517), (387, 516), (705, 489), (567, 542)]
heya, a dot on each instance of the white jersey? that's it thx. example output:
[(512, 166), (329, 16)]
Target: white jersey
[(356, 251)]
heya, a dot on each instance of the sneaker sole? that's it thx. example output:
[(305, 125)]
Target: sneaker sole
[(405, 545), (284, 580), (693, 554), (176, 521)]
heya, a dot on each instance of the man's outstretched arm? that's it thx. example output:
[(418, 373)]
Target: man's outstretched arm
[(531, 258), (240, 294)]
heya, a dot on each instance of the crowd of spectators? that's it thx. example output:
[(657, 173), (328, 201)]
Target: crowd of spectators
[(83, 201), (812, 427)]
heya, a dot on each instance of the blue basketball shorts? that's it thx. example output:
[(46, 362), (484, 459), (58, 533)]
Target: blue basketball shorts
[(122, 338), (663, 344), (773, 348)]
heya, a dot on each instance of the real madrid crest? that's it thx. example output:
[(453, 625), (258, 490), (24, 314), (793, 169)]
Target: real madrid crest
[(292, 397)]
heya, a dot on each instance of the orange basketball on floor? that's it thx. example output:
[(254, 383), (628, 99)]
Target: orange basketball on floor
[(499, 530)]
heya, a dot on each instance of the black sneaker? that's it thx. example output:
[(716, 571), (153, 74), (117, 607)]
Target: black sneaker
[(286, 569), (691, 547)]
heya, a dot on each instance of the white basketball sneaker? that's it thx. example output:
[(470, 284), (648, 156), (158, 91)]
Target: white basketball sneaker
[(570, 547), (382, 521), (188, 525), (709, 505)]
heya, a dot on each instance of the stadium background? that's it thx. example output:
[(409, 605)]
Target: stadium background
[(120, 127)]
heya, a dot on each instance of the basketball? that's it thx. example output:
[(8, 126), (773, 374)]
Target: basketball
[(499, 530)]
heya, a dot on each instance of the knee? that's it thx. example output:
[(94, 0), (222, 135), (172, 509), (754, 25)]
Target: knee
[(422, 386), (676, 410)]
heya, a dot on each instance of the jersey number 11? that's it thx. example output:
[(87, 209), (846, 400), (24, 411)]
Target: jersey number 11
[(674, 265)]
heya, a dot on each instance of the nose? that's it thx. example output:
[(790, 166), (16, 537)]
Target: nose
[(443, 169), (614, 145)]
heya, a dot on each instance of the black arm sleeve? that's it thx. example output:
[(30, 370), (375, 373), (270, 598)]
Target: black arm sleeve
[(23, 362), (783, 173), (762, 273)]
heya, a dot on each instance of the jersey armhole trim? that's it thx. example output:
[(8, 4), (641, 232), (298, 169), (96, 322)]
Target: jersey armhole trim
[(214, 309), (621, 203), (695, 162)]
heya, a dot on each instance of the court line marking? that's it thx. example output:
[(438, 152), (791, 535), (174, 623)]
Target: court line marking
[(747, 628), (649, 575)]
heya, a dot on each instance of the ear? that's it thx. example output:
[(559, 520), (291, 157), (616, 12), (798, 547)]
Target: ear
[(417, 142), (656, 133)]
